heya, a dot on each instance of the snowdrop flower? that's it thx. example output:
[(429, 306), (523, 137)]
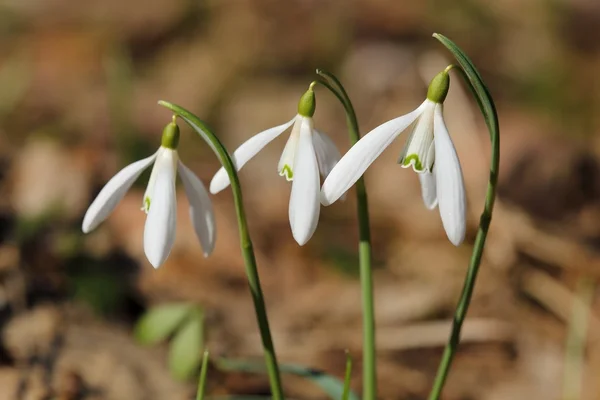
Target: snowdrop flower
[(159, 200), (428, 150), (307, 153)]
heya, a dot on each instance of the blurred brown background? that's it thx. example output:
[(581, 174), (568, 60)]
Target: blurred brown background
[(79, 83)]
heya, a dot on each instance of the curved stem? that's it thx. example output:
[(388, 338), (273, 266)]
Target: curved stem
[(364, 246), (246, 244), (202, 380), (488, 109)]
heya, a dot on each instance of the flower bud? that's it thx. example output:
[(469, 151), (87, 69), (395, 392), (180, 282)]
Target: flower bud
[(438, 87), (170, 136)]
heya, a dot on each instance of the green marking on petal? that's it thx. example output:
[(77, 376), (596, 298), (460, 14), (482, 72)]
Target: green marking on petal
[(287, 172), (415, 161), (146, 206)]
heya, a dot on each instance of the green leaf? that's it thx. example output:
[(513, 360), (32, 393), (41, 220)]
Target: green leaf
[(160, 322), (331, 385), (186, 348)]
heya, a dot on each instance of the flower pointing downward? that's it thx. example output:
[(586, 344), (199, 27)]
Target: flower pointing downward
[(307, 153), (159, 200), (428, 150)]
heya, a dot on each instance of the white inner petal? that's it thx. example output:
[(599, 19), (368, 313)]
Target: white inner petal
[(163, 156), (416, 151), (286, 162)]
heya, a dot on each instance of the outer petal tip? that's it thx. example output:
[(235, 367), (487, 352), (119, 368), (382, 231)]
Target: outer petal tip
[(300, 239), (219, 182), (324, 199), (456, 238), (86, 224), (155, 262)]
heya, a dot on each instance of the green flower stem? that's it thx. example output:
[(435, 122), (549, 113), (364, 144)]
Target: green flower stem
[(248, 253), (347, 376), (486, 104), (202, 381), (364, 247)]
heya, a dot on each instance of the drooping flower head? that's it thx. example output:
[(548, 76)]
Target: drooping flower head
[(307, 153), (428, 150), (159, 200)]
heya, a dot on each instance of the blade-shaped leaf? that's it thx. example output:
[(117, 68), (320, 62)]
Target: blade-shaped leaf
[(331, 385), (186, 348), (160, 322)]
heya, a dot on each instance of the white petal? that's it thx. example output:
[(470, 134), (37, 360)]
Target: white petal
[(327, 153), (159, 231), (113, 192), (420, 141), (286, 163), (428, 191), (245, 152), (356, 161), (201, 209), (304, 199), (449, 182)]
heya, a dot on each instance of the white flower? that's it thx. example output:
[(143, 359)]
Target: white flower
[(306, 153), (159, 200), (430, 152)]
